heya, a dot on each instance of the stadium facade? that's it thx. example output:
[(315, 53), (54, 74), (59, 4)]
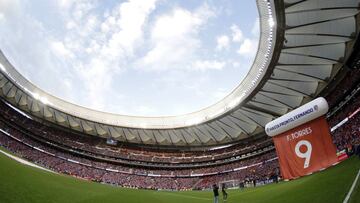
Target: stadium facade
[(307, 49)]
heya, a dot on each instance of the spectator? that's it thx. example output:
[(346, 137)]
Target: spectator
[(224, 193), (216, 193)]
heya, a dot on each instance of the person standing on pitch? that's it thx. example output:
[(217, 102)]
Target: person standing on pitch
[(216, 193), (225, 195)]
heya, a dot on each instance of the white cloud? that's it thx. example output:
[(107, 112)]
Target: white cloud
[(94, 47), (178, 24), (8, 5), (174, 39), (255, 31), (206, 65), (248, 47), (70, 25), (235, 64), (93, 44), (65, 4), (101, 46), (237, 34), (223, 42), (60, 50), (9, 8), (132, 17)]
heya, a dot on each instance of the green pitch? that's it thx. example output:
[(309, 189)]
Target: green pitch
[(19, 183)]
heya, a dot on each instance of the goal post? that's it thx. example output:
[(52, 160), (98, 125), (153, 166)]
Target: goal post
[(230, 184)]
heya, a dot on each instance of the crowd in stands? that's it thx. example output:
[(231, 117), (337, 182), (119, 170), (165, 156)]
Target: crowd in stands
[(348, 135), (90, 158), (351, 79), (67, 163), (344, 103), (96, 146), (260, 168)]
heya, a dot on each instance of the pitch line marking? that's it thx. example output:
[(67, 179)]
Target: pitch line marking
[(352, 188), (22, 161)]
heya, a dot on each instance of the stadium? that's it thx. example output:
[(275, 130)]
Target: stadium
[(307, 62)]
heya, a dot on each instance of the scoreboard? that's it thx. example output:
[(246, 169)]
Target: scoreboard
[(302, 140)]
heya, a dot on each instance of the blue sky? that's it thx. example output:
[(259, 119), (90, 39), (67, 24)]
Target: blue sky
[(134, 57)]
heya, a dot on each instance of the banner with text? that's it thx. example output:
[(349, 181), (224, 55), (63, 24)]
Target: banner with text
[(302, 140), (305, 149)]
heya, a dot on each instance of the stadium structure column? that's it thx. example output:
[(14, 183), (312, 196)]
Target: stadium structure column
[(302, 140)]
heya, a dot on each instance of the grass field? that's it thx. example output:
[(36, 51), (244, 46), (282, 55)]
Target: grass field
[(20, 183)]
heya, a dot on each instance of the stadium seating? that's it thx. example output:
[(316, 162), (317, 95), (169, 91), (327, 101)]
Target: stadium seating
[(140, 167)]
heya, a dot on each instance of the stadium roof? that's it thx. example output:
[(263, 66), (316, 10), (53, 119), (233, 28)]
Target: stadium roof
[(303, 45)]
